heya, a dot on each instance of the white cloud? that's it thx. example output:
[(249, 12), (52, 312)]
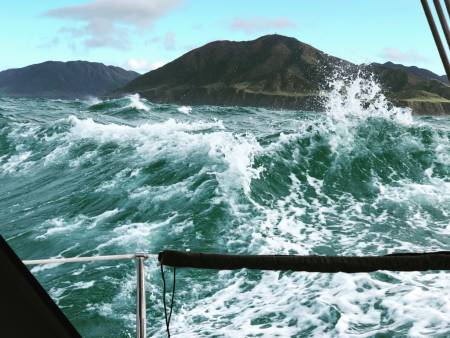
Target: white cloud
[(259, 24), (138, 65), (394, 54), (106, 22), (158, 64), (142, 65)]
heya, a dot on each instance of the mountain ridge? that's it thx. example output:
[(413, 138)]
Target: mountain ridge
[(420, 72), (63, 80), (273, 71), (276, 71)]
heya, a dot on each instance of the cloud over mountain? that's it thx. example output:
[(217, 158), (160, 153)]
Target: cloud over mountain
[(105, 23)]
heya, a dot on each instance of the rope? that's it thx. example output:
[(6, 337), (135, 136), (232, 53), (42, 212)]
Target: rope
[(394, 262), (351, 264), (168, 317)]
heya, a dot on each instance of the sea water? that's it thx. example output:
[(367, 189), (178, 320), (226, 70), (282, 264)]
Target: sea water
[(100, 177)]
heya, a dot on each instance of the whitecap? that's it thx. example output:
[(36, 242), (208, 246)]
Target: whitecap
[(185, 109), (137, 103)]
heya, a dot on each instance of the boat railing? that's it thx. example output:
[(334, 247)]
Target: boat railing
[(141, 320), (424, 261)]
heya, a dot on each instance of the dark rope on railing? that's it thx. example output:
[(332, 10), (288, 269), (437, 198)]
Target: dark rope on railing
[(168, 317), (351, 264)]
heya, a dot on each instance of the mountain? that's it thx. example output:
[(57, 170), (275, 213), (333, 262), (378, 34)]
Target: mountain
[(273, 70), (420, 89), (278, 72), (416, 73), (64, 80)]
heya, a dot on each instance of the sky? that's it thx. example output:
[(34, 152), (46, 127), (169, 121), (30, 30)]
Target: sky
[(142, 35)]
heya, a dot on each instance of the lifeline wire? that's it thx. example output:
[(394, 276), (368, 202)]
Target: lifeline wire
[(167, 318)]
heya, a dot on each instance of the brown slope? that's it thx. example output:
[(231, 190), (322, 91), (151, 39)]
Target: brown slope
[(273, 70)]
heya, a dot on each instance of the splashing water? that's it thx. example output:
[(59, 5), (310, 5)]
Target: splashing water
[(136, 102), (352, 101), (126, 175), (185, 109)]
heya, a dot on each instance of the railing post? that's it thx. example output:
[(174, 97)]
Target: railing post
[(141, 321)]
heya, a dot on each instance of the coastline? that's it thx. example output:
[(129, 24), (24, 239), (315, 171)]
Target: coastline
[(231, 96)]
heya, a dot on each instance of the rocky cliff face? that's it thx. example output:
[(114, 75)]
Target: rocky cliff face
[(277, 72), (65, 80)]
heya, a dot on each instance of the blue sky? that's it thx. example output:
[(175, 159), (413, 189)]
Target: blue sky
[(144, 34)]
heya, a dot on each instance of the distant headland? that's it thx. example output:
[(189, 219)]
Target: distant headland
[(63, 80)]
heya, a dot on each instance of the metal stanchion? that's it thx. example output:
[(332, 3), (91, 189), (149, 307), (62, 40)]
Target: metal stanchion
[(141, 322)]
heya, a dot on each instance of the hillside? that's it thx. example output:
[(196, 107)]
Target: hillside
[(274, 71), (64, 80), (416, 73), (420, 89), (278, 72)]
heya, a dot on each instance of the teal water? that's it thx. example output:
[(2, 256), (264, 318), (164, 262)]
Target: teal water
[(119, 176)]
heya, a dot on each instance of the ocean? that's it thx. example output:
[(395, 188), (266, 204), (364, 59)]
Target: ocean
[(125, 175)]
